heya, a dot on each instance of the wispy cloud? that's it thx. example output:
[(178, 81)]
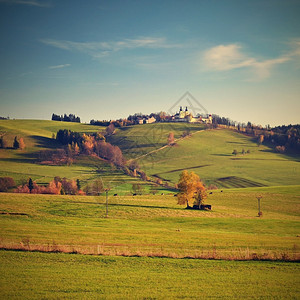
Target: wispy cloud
[(27, 2), (60, 66), (230, 57), (102, 49)]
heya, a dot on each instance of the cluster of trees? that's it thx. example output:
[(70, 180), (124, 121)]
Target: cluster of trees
[(235, 152), (17, 143), (6, 183), (55, 157), (58, 186), (132, 119), (116, 123), (191, 189), (66, 118), (93, 144), (286, 137)]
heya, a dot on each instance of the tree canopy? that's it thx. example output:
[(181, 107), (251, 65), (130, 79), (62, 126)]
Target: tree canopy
[(191, 189)]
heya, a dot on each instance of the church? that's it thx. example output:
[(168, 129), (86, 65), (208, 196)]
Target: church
[(186, 116)]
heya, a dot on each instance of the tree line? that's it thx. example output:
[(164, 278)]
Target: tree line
[(66, 118), (284, 138)]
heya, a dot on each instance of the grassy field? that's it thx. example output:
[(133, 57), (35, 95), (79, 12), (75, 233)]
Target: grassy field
[(65, 276), (209, 154), (142, 249), (37, 135), (156, 225), (138, 140)]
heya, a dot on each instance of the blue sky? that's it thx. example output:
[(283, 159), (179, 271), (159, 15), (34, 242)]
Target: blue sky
[(109, 59)]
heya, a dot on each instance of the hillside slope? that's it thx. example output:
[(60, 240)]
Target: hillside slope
[(206, 152), (209, 154), (37, 134)]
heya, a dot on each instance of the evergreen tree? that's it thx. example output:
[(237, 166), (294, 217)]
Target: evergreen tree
[(78, 184), (16, 144), (30, 185)]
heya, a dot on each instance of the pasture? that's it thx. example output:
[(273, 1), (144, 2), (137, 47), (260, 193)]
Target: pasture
[(148, 246), (156, 225), (27, 275), (37, 134), (208, 153)]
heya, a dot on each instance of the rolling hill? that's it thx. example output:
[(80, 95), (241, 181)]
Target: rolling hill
[(37, 134), (206, 152), (209, 154)]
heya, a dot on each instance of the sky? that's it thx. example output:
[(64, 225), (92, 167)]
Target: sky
[(105, 60)]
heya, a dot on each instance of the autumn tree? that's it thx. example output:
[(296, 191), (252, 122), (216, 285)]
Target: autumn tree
[(3, 142), (97, 187), (69, 187), (260, 139), (137, 189), (22, 144), (6, 183), (201, 195), (190, 189), (110, 129), (54, 187), (171, 138), (134, 165)]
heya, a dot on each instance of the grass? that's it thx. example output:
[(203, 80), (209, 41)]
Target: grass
[(156, 225), (206, 152), (37, 135), (209, 154), (58, 276), (138, 140)]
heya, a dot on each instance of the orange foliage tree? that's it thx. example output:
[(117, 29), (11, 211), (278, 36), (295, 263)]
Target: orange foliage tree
[(191, 189)]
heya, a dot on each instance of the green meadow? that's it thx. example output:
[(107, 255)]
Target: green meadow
[(25, 275), (147, 246), (209, 154), (37, 135), (156, 225)]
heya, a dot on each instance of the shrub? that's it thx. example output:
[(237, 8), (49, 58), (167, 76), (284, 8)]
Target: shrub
[(234, 152), (3, 142), (212, 187), (6, 183), (280, 149)]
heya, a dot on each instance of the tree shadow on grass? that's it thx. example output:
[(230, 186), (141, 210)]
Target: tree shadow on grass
[(27, 158), (127, 205), (44, 142)]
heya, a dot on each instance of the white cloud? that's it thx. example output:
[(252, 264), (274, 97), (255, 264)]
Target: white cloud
[(27, 2), (59, 66), (222, 58), (102, 49), (229, 57)]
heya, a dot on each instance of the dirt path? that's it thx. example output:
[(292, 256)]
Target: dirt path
[(176, 140)]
